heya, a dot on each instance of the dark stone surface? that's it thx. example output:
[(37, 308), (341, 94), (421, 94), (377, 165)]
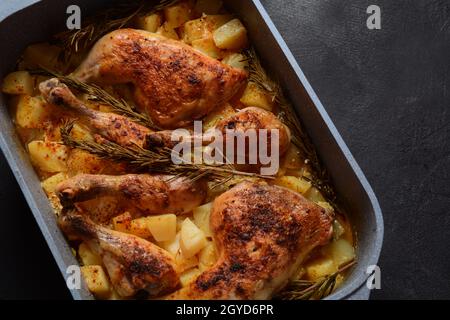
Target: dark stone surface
[(388, 94)]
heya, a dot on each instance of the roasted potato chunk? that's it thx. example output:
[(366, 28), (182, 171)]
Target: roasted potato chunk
[(19, 82), (231, 36), (96, 280), (150, 23), (48, 156), (192, 239)]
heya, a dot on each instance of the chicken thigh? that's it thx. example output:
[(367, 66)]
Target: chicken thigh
[(175, 84), (132, 263), (263, 233)]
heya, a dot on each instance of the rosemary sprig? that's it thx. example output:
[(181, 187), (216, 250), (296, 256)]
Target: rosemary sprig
[(95, 27), (96, 93), (313, 290), (154, 161), (319, 175)]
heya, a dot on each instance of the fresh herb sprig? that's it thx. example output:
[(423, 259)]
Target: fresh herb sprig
[(79, 41), (153, 161), (313, 290)]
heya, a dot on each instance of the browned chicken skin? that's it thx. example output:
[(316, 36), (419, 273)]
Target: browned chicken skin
[(132, 263), (175, 84), (257, 119), (263, 233), (111, 126), (148, 194)]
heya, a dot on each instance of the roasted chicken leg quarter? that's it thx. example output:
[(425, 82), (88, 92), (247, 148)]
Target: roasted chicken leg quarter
[(132, 263), (146, 193), (262, 233), (175, 84)]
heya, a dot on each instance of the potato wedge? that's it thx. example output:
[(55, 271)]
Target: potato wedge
[(341, 251), (87, 256), (48, 156), (139, 227), (96, 280), (80, 161), (178, 14), (201, 218), (207, 47), (168, 32), (150, 23), (320, 268), (256, 97), (32, 112), (203, 27), (163, 227), (49, 184), (172, 246), (19, 82), (231, 36), (192, 239)]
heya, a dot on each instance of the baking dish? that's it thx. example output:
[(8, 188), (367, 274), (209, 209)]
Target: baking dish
[(23, 25)]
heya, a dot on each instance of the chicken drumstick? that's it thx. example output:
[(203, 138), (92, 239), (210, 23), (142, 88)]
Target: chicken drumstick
[(146, 193), (132, 263)]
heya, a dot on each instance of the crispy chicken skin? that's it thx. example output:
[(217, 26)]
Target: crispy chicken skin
[(257, 119), (113, 127), (146, 193), (132, 263), (263, 233), (175, 84)]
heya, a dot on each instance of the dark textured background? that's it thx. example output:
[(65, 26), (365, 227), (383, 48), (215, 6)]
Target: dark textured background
[(388, 94)]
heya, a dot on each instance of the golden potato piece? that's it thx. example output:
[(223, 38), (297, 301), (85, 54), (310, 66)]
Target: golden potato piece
[(192, 239), (87, 256), (48, 156), (254, 96), (203, 27), (150, 23), (167, 31), (32, 112), (49, 184), (19, 82), (207, 47), (201, 218), (178, 14), (97, 281), (231, 36)]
